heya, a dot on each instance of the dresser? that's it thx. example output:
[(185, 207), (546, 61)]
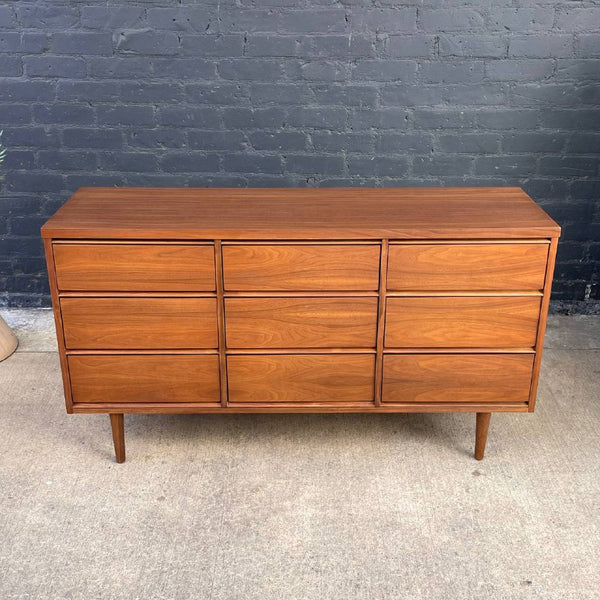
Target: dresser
[(179, 300)]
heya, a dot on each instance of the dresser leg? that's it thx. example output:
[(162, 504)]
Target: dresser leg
[(117, 423), (481, 431)]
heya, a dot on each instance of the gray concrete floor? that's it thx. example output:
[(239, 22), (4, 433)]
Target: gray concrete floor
[(300, 506)]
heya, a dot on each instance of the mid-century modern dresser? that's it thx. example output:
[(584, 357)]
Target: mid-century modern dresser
[(300, 300)]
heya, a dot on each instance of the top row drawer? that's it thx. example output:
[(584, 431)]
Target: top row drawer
[(299, 267)]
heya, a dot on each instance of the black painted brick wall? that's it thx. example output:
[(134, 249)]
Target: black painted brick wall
[(299, 93)]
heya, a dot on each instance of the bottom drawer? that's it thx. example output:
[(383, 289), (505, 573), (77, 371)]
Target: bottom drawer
[(301, 378), (144, 378), (457, 377)]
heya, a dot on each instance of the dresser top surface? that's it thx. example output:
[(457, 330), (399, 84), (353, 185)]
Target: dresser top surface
[(300, 213)]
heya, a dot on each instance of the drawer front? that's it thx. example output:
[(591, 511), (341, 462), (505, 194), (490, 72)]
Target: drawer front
[(301, 378), (139, 323), (301, 322), (144, 378), (457, 377), (134, 267), (301, 267), (461, 322), (467, 266)]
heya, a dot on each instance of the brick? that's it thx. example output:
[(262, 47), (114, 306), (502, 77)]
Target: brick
[(271, 45), (470, 143), (128, 161), (313, 21), (111, 17), (579, 70), (146, 41), (587, 45), (192, 162), (38, 137), (47, 15), (520, 19), (183, 68), (178, 116), (318, 118), (409, 46), (584, 143), (569, 166), (83, 91), (451, 19), (31, 181), (385, 70), (541, 46), (54, 66), (147, 93), (533, 142), (381, 118), (441, 165), (316, 70), (32, 42), (280, 140), (331, 141), (18, 159), (519, 70), (247, 20), (217, 140), (578, 19), (250, 68), (69, 113), (381, 166), (81, 43), (93, 138), (129, 67), (254, 118), (7, 17), (125, 115), (571, 119), (66, 161), (186, 18), (472, 94), (336, 46), (505, 166), (156, 138), (11, 66), (508, 119), (404, 142), (252, 163), (19, 90), (444, 72), (280, 93), (473, 46), (311, 163), (383, 19), (217, 93), (444, 119), (212, 45), (15, 114), (345, 95)]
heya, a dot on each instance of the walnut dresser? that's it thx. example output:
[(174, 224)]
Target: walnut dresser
[(300, 300)]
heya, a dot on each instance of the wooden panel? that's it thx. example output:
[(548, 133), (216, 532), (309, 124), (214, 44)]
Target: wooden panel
[(301, 267), (446, 322), (134, 267), (137, 323), (301, 322), (301, 378), (467, 266), (146, 378), (302, 213), (457, 378)]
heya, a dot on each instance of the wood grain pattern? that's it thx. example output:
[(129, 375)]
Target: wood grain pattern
[(463, 322), (457, 378), (300, 213), (467, 266), (145, 378), (300, 267), (117, 424), (301, 378), (301, 322), (139, 323), (134, 267)]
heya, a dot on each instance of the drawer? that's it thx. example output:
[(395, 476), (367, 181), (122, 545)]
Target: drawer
[(134, 267), (457, 377), (460, 322), (467, 266), (144, 378), (139, 323), (312, 267), (301, 378), (301, 322)]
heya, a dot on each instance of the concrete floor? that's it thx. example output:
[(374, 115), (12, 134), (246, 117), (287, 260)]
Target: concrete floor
[(300, 506)]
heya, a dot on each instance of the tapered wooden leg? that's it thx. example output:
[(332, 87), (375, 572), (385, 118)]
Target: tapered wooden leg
[(481, 431), (117, 422)]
